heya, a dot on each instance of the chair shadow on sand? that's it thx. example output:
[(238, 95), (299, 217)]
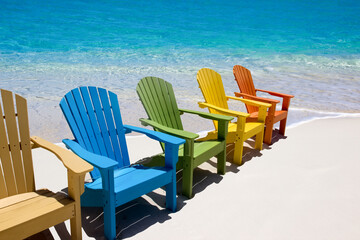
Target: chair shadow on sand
[(141, 213)]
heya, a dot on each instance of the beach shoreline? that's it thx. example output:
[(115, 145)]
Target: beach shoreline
[(55, 128)]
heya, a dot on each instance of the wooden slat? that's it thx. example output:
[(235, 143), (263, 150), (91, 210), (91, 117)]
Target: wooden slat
[(73, 118), (158, 99), (3, 190), (71, 121), (7, 180), (161, 97), (168, 109), (40, 223), (101, 121), (172, 106), (75, 131), (142, 90), (95, 128), (144, 101), (219, 90), (246, 85), (212, 89), (204, 86), (119, 128), (147, 101), (91, 113), (110, 125), (14, 143), (18, 220), (85, 120), (79, 123), (155, 103), (159, 102), (22, 113), (41, 199), (16, 199)]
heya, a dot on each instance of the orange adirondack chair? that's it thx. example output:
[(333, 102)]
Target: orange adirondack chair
[(248, 91)]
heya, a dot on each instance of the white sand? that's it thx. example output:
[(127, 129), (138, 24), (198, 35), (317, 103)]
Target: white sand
[(304, 186)]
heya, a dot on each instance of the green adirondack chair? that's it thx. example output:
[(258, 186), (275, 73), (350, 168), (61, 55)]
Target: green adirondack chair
[(158, 99)]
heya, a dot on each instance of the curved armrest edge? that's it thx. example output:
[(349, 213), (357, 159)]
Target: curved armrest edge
[(159, 136), (168, 130), (98, 161), (70, 160)]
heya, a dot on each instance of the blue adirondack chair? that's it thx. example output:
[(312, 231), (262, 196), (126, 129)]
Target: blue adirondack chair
[(93, 115)]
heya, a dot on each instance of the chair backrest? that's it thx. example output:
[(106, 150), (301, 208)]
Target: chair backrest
[(212, 89), (245, 82), (94, 117), (16, 166), (158, 99)]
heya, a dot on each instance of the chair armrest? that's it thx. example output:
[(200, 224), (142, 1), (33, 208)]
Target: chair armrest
[(256, 98), (72, 162), (212, 116), (171, 144), (171, 131), (98, 161), (286, 98), (283, 95), (250, 102), (224, 110), (159, 136)]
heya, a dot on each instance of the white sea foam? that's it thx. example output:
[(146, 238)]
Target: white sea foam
[(321, 85)]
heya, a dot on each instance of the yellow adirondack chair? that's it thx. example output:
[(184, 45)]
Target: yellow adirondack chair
[(213, 91), (25, 211)]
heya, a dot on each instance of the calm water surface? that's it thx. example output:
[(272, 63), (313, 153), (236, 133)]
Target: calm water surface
[(308, 49)]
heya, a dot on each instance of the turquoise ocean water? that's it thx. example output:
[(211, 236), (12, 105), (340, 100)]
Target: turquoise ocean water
[(309, 49)]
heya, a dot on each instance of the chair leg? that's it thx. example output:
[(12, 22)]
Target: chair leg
[(109, 204), (282, 126), (221, 162), (238, 151), (75, 223), (109, 221), (187, 180), (259, 140), (76, 186), (268, 133), (171, 195)]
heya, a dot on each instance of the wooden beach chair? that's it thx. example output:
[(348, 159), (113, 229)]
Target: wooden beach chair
[(158, 99), (248, 91), (93, 115), (24, 210), (213, 91)]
